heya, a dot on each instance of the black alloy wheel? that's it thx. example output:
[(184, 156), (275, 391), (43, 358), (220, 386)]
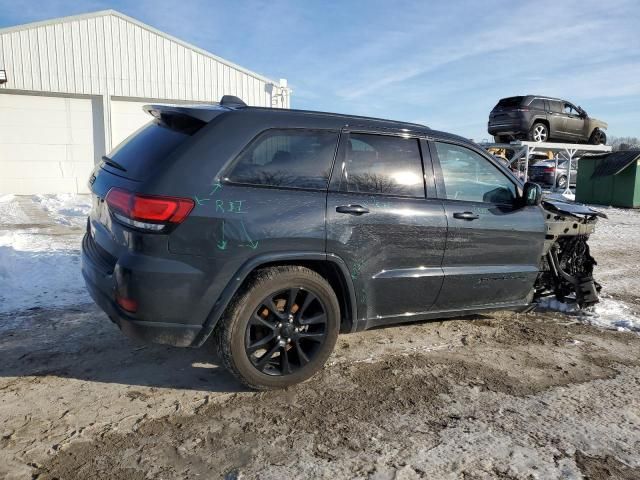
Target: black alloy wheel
[(286, 331), (280, 328)]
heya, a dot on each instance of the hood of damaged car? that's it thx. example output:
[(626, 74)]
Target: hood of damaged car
[(562, 205)]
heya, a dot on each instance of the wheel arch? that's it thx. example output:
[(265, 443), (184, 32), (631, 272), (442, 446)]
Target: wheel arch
[(331, 267)]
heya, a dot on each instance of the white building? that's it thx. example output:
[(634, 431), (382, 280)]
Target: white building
[(75, 87)]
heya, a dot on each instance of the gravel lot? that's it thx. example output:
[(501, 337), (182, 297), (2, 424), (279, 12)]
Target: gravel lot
[(539, 395)]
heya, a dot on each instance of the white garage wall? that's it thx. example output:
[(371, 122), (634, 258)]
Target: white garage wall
[(126, 118), (46, 144), (110, 53)]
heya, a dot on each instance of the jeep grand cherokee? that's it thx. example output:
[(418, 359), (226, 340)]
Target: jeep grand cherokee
[(273, 230)]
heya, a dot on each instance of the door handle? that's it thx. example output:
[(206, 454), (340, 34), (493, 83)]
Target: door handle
[(466, 215), (352, 209)]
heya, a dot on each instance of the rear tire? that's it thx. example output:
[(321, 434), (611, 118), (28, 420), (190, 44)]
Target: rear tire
[(561, 182), (539, 133), (264, 314), (598, 137)]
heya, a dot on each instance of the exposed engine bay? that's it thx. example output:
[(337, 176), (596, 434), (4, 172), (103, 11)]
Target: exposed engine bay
[(566, 269)]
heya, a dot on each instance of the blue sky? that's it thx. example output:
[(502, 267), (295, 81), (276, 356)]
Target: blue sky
[(441, 63)]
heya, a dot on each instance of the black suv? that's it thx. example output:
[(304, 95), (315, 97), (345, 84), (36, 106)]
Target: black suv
[(541, 119), (275, 229)]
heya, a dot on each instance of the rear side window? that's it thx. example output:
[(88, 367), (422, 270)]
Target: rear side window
[(140, 153), (287, 158), (382, 164), (538, 104), (470, 177), (510, 102)]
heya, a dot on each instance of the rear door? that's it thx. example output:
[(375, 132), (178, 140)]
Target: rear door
[(557, 119), (380, 223), (493, 247)]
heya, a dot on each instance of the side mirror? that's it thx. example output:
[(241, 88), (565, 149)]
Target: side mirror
[(531, 194)]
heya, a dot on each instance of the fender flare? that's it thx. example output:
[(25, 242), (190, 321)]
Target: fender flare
[(256, 262)]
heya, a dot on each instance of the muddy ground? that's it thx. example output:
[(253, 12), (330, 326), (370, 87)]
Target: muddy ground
[(538, 395)]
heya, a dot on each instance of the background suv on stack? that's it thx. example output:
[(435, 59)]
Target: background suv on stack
[(541, 119)]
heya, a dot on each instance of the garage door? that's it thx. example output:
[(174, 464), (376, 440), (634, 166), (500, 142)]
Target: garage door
[(126, 118), (46, 144)]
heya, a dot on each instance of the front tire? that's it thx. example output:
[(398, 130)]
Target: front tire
[(280, 330), (539, 132), (598, 137)]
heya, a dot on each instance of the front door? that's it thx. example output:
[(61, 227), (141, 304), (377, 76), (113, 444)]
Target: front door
[(379, 222), (493, 247), (574, 122)]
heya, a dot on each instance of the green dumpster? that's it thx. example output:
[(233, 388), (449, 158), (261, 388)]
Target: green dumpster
[(610, 179)]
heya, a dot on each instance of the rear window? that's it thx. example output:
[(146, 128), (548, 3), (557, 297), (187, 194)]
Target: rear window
[(287, 158), (510, 102), (141, 152)]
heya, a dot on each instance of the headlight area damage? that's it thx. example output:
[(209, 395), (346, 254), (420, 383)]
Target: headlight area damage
[(566, 269)]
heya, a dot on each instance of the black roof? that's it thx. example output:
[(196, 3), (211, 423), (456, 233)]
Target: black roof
[(613, 163), (207, 112)]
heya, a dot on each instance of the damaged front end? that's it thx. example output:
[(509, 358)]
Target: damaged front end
[(567, 265)]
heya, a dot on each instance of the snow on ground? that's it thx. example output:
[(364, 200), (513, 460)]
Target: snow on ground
[(39, 251), (66, 209), (609, 313)]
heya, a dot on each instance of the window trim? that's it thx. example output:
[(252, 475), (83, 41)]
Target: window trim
[(335, 184), (440, 185), (226, 171)]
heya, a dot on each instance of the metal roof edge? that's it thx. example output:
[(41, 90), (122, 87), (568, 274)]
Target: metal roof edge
[(115, 13)]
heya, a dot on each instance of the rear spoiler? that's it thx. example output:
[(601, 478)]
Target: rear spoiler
[(203, 112)]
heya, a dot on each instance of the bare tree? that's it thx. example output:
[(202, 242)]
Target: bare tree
[(624, 143)]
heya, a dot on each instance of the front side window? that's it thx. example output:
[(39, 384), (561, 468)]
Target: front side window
[(570, 109), (287, 158), (470, 177), (382, 164)]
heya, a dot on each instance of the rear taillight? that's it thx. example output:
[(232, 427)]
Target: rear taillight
[(549, 169), (128, 304), (148, 212)]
